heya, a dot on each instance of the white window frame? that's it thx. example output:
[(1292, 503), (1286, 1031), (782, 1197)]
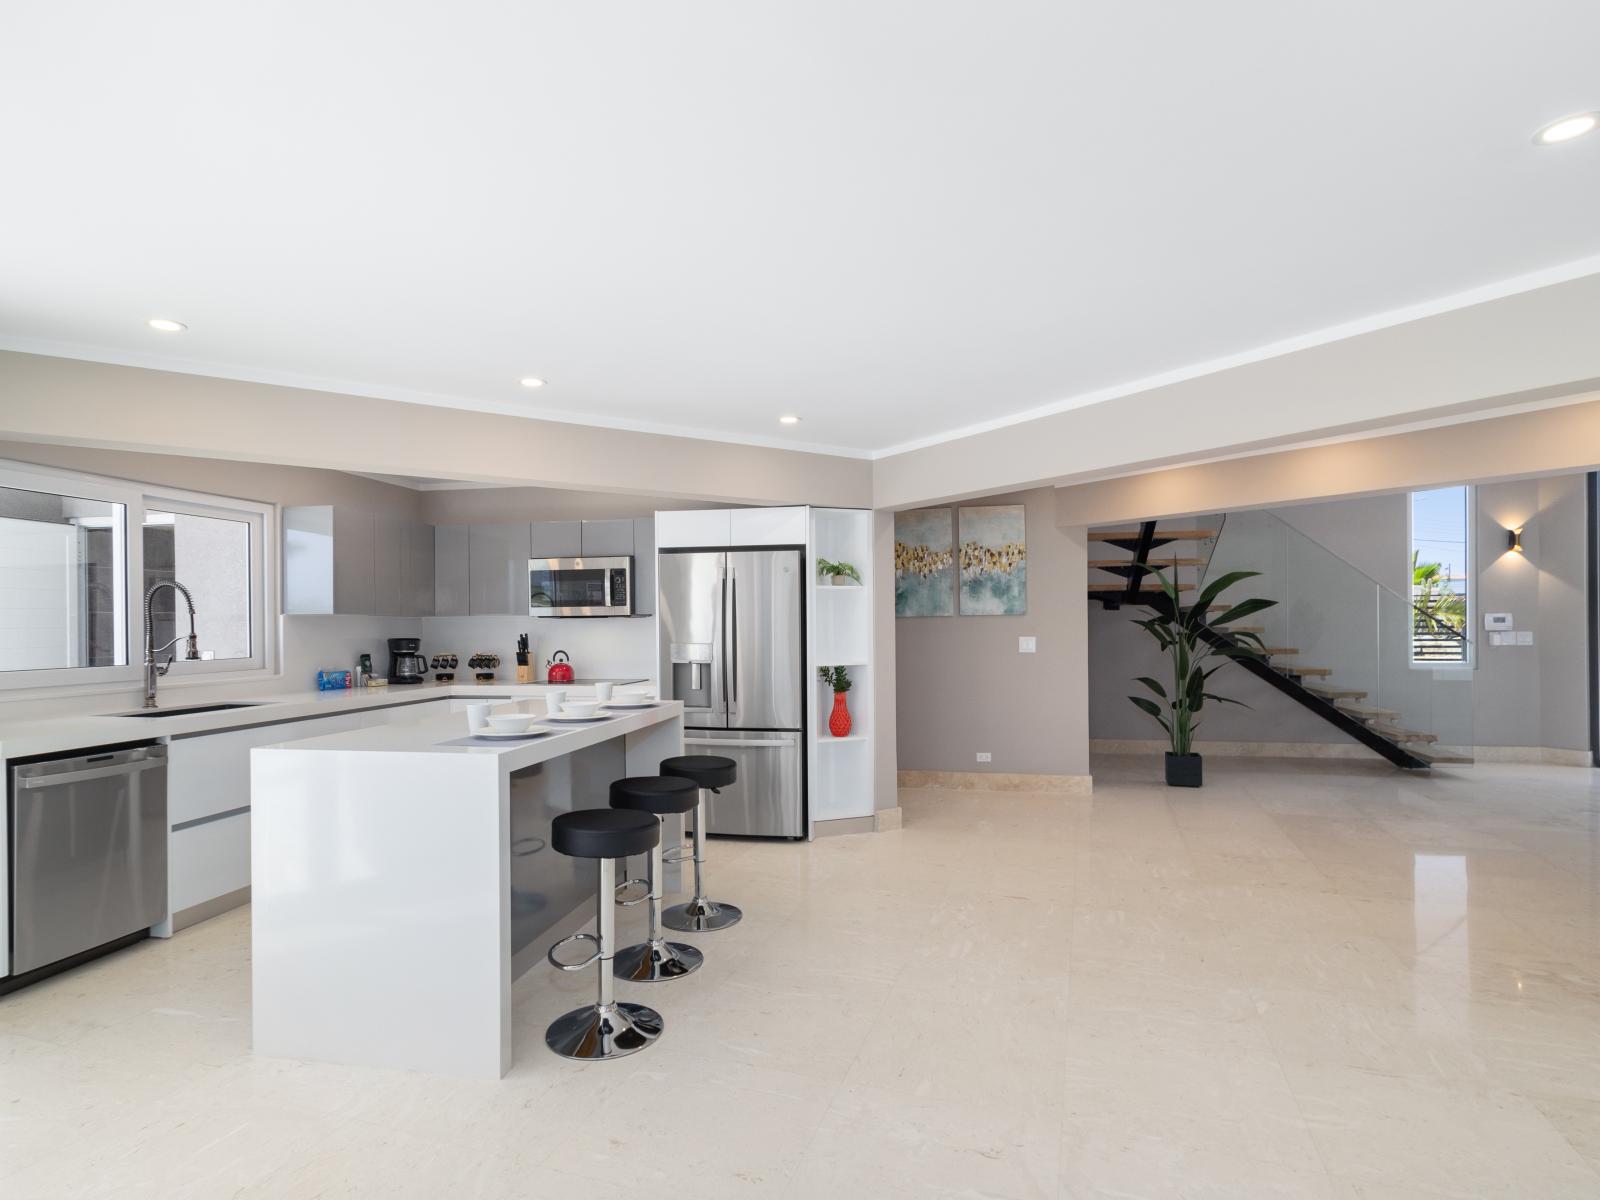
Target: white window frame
[(1471, 570), (136, 498)]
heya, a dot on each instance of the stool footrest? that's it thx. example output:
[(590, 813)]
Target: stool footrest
[(576, 937), (628, 883), (678, 854)]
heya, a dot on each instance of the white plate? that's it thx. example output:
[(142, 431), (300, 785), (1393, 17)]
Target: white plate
[(630, 704), (491, 733), (566, 720)]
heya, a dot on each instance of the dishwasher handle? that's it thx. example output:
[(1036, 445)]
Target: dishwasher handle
[(64, 777)]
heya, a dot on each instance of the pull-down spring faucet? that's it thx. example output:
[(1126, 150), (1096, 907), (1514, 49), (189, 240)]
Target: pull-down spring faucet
[(152, 671)]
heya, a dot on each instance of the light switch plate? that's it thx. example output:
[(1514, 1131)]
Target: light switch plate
[(1524, 637), (985, 756), (1027, 645), (1499, 638)]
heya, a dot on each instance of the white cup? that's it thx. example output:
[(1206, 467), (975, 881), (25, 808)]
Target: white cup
[(553, 700), (602, 692), (477, 717)]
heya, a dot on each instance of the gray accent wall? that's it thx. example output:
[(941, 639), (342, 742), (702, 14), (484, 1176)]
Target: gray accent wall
[(1520, 696), (961, 685)]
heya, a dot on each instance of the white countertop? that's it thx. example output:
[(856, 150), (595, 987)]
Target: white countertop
[(62, 732), (428, 735)]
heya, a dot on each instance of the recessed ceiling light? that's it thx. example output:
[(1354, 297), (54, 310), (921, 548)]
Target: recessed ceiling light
[(788, 420), (1567, 128), (531, 382), (166, 326)]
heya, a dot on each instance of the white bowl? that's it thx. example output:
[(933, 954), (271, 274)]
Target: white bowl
[(579, 708), (513, 723)]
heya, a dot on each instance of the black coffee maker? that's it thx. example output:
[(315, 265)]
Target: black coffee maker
[(406, 664)]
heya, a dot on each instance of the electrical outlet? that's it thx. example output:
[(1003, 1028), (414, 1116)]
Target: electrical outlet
[(985, 756), (1027, 645)]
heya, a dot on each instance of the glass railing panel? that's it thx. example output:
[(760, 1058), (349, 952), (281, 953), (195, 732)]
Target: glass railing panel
[(1336, 616)]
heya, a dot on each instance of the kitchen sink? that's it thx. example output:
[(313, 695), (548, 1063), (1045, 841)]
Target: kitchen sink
[(191, 709)]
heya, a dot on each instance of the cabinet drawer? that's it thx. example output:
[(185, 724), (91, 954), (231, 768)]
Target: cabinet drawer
[(207, 860)]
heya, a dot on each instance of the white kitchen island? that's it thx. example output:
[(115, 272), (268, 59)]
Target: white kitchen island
[(400, 884)]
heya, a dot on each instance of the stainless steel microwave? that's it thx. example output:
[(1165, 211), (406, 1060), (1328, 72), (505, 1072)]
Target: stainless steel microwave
[(580, 587)]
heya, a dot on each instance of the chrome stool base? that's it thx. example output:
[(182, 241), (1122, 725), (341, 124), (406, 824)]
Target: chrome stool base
[(599, 1031), (657, 960), (701, 916)]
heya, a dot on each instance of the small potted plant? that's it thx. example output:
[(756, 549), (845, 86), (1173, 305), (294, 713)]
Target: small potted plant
[(839, 574), (1181, 633), (837, 678)]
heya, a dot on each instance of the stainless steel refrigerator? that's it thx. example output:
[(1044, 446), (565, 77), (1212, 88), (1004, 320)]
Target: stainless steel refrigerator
[(731, 629)]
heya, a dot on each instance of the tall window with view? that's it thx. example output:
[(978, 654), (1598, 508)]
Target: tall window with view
[(1440, 576)]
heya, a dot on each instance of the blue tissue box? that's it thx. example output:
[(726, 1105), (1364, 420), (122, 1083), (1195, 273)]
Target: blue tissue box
[(332, 681)]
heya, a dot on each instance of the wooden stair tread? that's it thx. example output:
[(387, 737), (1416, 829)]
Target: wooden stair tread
[(1333, 693), (1368, 714), (1396, 734), (1108, 564), (1308, 672), (1132, 535), (1149, 591)]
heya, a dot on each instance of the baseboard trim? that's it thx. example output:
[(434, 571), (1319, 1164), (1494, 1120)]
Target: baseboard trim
[(886, 819), (1547, 756), (210, 908), (1238, 749), (997, 781), (843, 825)]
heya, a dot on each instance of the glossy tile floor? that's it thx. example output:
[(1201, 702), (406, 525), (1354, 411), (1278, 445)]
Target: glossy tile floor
[(1305, 980)]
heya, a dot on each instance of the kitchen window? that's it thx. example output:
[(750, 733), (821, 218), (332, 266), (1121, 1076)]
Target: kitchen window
[(77, 554)]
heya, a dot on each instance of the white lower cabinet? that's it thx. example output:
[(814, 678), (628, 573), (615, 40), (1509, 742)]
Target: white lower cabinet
[(208, 803), (208, 861)]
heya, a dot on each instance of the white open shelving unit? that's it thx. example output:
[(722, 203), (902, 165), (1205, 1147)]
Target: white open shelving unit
[(839, 633)]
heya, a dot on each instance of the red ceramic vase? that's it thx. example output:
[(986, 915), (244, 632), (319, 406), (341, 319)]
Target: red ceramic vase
[(839, 722)]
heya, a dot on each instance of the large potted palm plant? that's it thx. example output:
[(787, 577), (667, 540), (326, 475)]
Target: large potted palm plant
[(1182, 635)]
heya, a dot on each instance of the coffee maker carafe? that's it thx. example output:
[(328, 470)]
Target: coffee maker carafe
[(406, 664)]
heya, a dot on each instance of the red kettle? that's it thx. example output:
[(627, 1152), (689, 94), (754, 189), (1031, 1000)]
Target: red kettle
[(560, 668)]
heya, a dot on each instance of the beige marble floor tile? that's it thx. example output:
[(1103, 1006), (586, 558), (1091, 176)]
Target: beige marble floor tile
[(1455, 1140), (1303, 980), (893, 1147)]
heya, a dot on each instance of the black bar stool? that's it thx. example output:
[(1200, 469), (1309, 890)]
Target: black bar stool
[(709, 773), (655, 958), (609, 1028)]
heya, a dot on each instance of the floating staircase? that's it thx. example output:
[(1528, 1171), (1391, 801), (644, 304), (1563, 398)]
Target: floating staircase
[(1310, 685)]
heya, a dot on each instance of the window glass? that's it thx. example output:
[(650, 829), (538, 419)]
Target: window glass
[(61, 582), (211, 557), (1439, 575)]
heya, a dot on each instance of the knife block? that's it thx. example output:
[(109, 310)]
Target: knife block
[(524, 673)]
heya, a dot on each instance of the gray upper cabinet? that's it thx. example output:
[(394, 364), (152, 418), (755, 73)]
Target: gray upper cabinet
[(344, 560), (328, 560), (497, 569), (418, 552), (607, 539), (450, 549), (556, 539), (644, 566), (389, 566)]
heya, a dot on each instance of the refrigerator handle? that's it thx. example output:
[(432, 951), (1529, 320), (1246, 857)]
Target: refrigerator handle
[(733, 638)]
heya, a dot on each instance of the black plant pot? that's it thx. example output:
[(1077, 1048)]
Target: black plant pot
[(1183, 770)]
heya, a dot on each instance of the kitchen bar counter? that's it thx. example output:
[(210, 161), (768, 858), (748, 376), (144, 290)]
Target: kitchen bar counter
[(63, 732), (400, 884)]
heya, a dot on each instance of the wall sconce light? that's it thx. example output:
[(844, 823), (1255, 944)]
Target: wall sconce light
[(1514, 540)]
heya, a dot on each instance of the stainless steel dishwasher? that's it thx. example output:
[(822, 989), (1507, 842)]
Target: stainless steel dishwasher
[(88, 854)]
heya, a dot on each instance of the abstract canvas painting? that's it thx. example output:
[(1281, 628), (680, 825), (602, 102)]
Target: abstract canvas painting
[(924, 573), (994, 560)]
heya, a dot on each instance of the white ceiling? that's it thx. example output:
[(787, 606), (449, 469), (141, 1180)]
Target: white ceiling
[(898, 220)]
